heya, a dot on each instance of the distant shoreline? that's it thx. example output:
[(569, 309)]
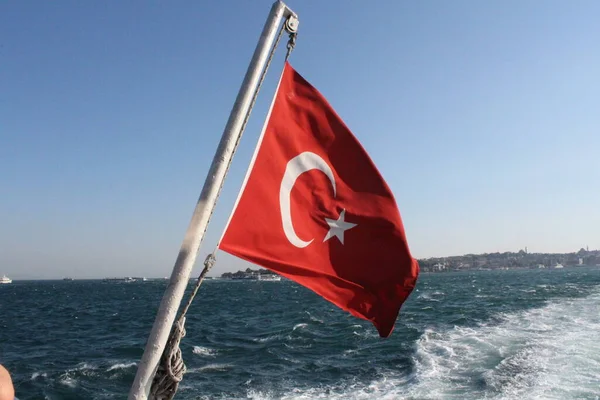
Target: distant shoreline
[(521, 260), (510, 260)]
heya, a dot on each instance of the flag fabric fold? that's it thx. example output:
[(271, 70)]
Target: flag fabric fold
[(315, 209)]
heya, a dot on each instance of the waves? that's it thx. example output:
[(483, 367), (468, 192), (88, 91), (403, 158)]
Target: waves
[(462, 336), (73, 377), (552, 352)]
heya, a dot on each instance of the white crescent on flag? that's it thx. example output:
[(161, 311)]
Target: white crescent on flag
[(298, 165)]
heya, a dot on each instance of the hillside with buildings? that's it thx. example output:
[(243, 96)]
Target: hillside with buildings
[(509, 260)]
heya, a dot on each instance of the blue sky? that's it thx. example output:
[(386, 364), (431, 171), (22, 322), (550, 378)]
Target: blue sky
[(483, 117)]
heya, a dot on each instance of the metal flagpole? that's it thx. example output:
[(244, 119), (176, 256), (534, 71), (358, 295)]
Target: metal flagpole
[(171, 300)]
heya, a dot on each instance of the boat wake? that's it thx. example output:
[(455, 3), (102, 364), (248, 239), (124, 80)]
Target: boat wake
[(551, 352)]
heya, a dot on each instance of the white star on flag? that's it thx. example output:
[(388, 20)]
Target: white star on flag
[(338, 227)]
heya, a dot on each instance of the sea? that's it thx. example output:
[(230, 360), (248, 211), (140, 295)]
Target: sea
[(511, 334)]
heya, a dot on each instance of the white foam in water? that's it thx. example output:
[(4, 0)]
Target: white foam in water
[(268, 338), (36, 375), (210, 367), (83, 367), (204, 351), (298, 326), (121, 366), (68, 381), (548, 353)]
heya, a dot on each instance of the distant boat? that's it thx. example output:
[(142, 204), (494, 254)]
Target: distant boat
[(67, 279), (256, 277), (5, 279), (268, 277), (558, 266), (126, 280)]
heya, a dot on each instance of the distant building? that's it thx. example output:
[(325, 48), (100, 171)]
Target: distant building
[(439, 266)]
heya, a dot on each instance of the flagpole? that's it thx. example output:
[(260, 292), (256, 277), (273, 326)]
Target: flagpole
[(171, 300)]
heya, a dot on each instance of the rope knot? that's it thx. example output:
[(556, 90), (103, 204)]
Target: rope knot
[(171, 368), (210, 261)]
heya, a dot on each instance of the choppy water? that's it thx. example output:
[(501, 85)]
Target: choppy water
[(477, 335)]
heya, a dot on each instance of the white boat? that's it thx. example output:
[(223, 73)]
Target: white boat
[(268, 277), (5, 279), (558, 266)]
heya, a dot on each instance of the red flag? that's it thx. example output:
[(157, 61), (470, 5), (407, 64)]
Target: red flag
[(315, 209)]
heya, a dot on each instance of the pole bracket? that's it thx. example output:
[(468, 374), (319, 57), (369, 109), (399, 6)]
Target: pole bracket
[(291, 24)]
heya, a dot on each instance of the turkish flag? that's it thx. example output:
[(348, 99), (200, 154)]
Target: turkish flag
[(315, 209)]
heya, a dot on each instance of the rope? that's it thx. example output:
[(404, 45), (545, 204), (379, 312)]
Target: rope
[(172, 367)]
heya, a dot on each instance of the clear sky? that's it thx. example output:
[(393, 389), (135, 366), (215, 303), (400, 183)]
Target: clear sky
[(484, 118)]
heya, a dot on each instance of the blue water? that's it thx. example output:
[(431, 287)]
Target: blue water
[(462, 335)]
